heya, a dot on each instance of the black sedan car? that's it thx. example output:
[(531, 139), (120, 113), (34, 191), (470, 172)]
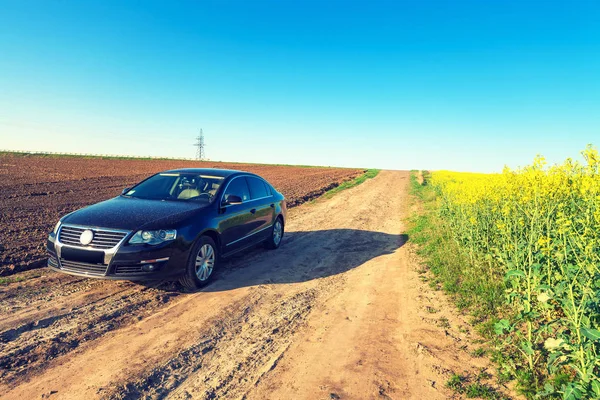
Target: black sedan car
[(174, 225)]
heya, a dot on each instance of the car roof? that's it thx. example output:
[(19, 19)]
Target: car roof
[(207, 171)]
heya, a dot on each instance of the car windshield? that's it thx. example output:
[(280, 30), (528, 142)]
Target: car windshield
[(177, 186)]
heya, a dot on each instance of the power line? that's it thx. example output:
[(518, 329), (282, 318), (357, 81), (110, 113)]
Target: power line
[(200, 155)]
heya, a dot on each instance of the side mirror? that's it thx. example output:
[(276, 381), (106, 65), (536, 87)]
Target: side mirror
[(232, 200), (127, 189)]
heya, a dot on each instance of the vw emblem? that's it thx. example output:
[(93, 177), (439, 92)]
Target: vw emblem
[(86, 237)]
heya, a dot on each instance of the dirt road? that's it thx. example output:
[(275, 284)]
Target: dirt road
[(339, 311)]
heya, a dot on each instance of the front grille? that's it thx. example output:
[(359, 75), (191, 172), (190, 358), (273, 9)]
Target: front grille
[(82, 268), (128, 269), (103, 239)]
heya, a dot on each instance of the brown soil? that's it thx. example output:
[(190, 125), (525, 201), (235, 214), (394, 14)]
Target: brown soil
[(36, 191), (338, 312)]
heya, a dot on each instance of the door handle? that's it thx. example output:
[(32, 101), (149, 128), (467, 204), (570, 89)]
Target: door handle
[(253, 210)]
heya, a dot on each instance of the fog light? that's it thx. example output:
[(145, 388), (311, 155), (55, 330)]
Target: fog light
[(148, 267)]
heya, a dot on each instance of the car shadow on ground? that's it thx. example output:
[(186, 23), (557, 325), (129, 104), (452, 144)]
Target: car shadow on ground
[(304, 256)]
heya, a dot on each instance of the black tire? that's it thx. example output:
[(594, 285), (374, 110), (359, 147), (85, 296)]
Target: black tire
[(273, 242), (191, 279)]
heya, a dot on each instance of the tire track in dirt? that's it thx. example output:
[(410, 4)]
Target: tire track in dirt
[(239, 347), (28, 347), (245, 338), (27, 303)]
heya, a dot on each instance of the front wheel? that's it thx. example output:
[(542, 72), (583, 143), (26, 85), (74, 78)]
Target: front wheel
[(274, 240), (201, 264)]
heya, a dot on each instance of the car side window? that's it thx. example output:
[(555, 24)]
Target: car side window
[(237, 187), (257, 188), (268, 188)]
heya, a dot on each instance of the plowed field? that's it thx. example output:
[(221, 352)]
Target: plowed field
[(36, 191)]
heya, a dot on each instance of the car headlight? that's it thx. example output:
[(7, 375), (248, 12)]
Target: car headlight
[(153, 237), (55, 231)]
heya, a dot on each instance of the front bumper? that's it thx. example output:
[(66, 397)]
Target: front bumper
[(125, 262)]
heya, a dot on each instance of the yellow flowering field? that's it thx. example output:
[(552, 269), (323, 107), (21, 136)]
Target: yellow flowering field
[(540, 226)]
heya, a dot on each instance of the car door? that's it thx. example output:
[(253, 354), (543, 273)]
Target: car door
[(237, 221), (262, 206)]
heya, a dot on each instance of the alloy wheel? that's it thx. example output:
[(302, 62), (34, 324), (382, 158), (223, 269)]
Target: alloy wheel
[(205, 262), (277, 232)]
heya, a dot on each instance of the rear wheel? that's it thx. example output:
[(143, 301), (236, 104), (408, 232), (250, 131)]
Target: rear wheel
[(201, 264), (274, 240)]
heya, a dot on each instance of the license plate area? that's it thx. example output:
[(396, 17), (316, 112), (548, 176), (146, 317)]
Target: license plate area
[(88, 256)]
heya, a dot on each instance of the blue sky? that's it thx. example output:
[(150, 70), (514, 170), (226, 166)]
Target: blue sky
[(462, 85)]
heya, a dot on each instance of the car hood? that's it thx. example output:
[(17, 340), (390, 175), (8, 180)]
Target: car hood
[(131, 213)]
